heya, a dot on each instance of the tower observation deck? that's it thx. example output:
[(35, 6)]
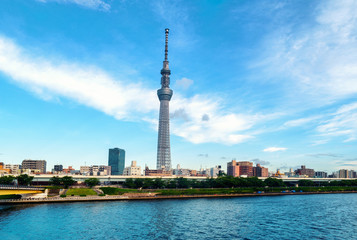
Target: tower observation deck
[(164, 94)]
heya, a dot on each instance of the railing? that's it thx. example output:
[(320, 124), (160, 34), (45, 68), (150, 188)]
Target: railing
[(17, 187)]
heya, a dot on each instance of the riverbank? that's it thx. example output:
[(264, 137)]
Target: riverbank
[(151, 196)]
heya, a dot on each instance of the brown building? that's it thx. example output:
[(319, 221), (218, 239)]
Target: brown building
[(305, 171), (68, 170), (233, 169), (34, 164), (157, 172), (260, 171), (246, 168), (237, 169)]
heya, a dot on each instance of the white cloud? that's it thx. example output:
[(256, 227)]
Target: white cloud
[(300, 121), (319, 58), (184, 83), (342, 123), (92, 87), (93, 4), (274, 149)]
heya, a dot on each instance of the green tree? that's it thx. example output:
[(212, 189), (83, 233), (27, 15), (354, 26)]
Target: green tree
[(129, 183), (138, 183), (148, 183), (305, 183), (91, 182), (159, 183), (7, 179), (182, 182), (274, 182), (24, 179), (67, 181), (55, 181)]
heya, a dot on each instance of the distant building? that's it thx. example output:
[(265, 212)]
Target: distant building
[(291, 173), (181, 171), (58, 168), (305, 171), (70, 169), (320, 174), (157, 172), (215, 171), (34, 164), (14, 168), (116, 160), (243, 168), (132, 170), (278, 174), (352, 174), (3, 170), (233, 169), (260, 171), (343, 173), (95, 170)]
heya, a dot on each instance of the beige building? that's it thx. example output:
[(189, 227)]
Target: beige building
[(14, 168), (133, 170)]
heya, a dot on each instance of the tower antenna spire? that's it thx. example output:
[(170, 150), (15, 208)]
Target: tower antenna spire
[(164, 94), (166, 42)]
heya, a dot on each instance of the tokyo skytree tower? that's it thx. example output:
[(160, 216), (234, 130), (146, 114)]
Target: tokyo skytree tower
[(164, 94)]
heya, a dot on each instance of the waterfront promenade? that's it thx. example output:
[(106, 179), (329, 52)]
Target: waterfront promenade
[(150, 196)]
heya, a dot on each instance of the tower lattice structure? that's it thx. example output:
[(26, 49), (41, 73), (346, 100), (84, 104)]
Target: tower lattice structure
[(164, 94)]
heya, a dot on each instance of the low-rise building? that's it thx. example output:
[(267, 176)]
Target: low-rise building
[(157, 172), (305, 171), (14, 168), (95, 170), (320, 174), (132, 170)]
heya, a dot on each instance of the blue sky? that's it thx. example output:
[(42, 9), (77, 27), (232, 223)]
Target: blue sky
[(274, 82)]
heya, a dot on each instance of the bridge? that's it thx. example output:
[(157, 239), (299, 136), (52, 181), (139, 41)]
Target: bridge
[(11, 189), (44, 179)]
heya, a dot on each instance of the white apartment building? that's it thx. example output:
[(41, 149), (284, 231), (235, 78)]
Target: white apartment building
[(133, 170)]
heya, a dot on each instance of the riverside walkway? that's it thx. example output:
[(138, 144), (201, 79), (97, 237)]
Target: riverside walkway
[(150, 196)]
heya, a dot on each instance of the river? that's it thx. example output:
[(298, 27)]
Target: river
[(327, 216)]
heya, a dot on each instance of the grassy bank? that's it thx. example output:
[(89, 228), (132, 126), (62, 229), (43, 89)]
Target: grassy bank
[(80, 191)]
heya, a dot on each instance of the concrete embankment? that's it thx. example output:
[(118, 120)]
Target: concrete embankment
[(151, 196)]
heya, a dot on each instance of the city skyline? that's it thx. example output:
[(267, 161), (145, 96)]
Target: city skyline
[(270, 82)]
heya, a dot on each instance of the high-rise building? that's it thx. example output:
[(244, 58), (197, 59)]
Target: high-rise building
[(116, 160), (164, 94), (343, 173), (246, 168), (34, 164), (260, 171), (233, 169)]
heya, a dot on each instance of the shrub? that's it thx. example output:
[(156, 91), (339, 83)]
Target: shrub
[(83, 195), (63, 195), (102, 194)]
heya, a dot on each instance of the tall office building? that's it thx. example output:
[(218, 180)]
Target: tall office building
[(34, 164), (116, 160), (164, 94)]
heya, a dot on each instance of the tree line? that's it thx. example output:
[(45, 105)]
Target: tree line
[(224, 182)]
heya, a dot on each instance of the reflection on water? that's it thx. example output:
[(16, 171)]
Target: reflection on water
[(330, 216)]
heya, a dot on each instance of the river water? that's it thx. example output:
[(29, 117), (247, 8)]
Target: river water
[(324, 216)]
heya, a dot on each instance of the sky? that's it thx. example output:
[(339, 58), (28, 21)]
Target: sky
[(273, 82)]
